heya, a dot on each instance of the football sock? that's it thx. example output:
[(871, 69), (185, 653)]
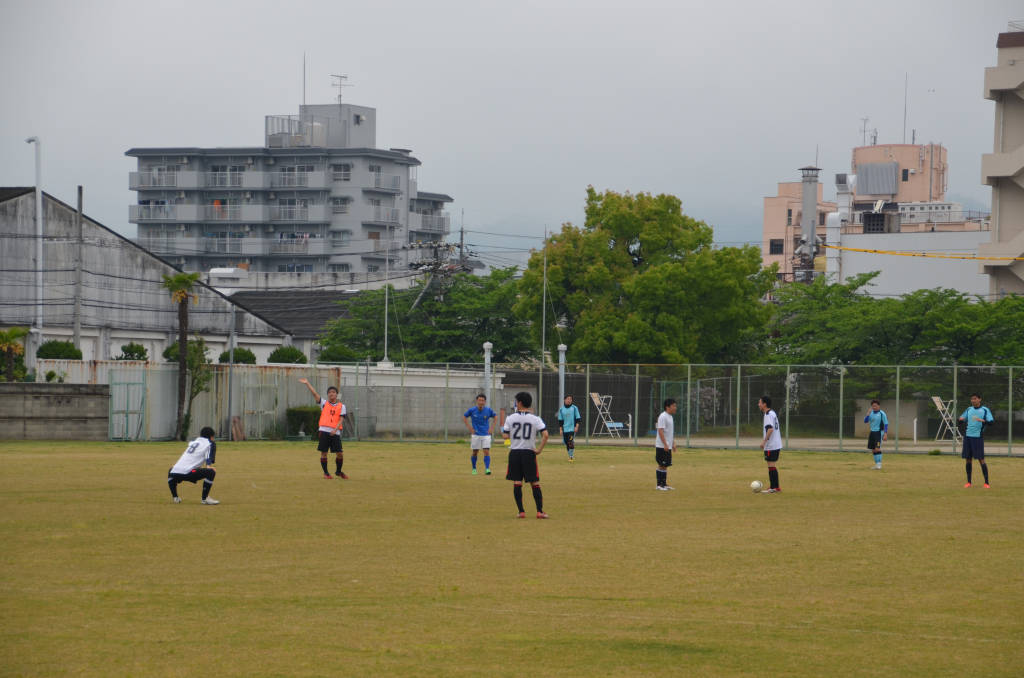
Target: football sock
[(207, 484), (878, 459), (662, 477), (338, 461), (473, 459), (171, 483), (984, 470), (773, 478), (517, 492), (487, 461), (538, 498), (323, 463), (970, 467)]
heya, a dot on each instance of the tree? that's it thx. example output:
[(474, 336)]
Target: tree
[(287, 354), (12, 347), (443, 319), (58, 350), (641, 282), (200, 374), (242, 356), (133, 351), (180, 286)]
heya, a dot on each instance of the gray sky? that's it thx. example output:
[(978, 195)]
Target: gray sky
[(513, 107)]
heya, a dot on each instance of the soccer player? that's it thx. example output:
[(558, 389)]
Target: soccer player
[(195, 464), (665, 444), (976, 416), (879, 431), (332, 412), (480, 431), (569, 415), (520, 428), (771, 444)]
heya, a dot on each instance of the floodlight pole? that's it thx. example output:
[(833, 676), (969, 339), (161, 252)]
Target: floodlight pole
[(39, 247), (487, 369), (561, 373)]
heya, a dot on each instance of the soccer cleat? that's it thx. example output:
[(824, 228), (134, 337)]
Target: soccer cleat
[(176, 500), (987, 486), (669, 487), (474, 471), (877, 467), (522, 514), (327, 476), (661, 488), (210, 501), (966, 485), (341, 474), (487, 472), (771, 490), (541, 515)]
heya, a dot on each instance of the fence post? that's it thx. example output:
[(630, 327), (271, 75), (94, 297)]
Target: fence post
[(897, 423), (587, 408), (636, 405), (1009, 422), (739, 392), (401, 410), (447, 367), (952, 434), (842, 372), (689, 372), (787, 407)]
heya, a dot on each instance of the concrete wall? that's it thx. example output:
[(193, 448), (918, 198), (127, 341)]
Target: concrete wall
[(54, 411)]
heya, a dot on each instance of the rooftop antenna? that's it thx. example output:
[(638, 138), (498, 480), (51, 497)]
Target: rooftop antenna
[(864, 131), (303, 78), (339, 82), (906, 85)]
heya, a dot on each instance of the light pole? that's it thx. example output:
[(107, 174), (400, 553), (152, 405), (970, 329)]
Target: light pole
[(39, 248)]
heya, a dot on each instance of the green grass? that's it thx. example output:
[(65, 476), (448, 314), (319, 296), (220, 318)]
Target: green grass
[(416, 568)]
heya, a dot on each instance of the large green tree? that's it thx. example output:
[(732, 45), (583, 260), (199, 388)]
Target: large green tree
[(180, 286), (444, 319), (642, 282), (11, 347)]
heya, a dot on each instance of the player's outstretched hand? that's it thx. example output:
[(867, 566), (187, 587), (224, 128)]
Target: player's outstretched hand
[(303, 380)]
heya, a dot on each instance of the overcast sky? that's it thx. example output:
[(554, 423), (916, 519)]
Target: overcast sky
[(513, 107)]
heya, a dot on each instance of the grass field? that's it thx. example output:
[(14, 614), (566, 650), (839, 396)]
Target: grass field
[(413, 567)]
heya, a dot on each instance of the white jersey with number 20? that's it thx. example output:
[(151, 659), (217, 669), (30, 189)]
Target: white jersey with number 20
[(521, 428)]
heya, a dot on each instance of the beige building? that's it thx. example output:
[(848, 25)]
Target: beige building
[(903, 173), (1003, 169), (781, 230)]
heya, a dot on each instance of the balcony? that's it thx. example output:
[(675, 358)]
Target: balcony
[(386, 183), (385, 215), (146, 213), (162, 245), (144, 181), (312, 213), (242, 213), (224, 179), (310, 246), (315, 180), (430, 223)]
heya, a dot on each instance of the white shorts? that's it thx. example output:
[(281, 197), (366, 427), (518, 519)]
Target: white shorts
[(480, 442)]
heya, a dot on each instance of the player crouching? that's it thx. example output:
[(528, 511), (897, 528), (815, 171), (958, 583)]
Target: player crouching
[(195, 464)]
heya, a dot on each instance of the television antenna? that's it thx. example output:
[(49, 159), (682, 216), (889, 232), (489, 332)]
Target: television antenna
[(339, 81)]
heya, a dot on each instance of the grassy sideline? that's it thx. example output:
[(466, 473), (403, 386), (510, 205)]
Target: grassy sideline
[(414, 567)]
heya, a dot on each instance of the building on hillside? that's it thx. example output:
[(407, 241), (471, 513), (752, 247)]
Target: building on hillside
[(783, 218), (102, 290), (317, 198), (1003, 169)]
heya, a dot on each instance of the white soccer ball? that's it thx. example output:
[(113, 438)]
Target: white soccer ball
[(756, 486)]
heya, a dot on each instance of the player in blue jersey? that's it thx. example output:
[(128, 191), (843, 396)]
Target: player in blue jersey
[(879, 431), (569, 415), (977, 416), (479, 421)]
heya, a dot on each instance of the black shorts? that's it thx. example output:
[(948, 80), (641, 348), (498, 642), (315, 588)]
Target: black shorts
[(874, 440), (522, 465), (663, 457), (974, 448), (772, 455), (329, 443), (567, 438), (194, 476)]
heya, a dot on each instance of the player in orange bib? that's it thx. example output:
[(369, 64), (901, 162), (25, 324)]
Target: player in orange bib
[(332, 416)]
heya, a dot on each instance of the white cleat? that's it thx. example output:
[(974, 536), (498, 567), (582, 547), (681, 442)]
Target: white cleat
[(877, 467), (669, 487), (210, 501), (176, 500), (661, 488)]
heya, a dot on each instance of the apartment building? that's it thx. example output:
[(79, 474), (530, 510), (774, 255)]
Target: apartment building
[(317, 198)]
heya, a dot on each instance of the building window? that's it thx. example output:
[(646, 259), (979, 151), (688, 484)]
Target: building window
[(906, 175), (372, 268), (295, 268), (775, 246), (789, 217), (821, 218), (340, 238), (340, 205), (342, 172), (339, 268), (376, 169)]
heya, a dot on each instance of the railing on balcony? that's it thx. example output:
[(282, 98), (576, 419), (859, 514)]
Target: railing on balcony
[(223, 245), (340, 208), (223, 212), (387, 246), (434, 223), (389, 215), (153, 179), (160, 244), (224, 179), (943, 216), (152, 212), (290, 179), (289, 213), (389, 182)]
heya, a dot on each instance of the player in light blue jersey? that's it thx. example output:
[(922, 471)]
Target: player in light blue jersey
[(879, 431), (569, 415), (977, 416)]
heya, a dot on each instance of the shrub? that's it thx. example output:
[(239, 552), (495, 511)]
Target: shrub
[(306, 417), (58, 350), (287, 354), (242, 356), (133, 351), (336, 353)]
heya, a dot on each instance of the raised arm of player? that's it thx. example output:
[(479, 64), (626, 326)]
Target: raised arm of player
[(312, 390)]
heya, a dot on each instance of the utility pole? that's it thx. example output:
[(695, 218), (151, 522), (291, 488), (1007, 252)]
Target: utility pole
[(462, 245), (39, 247), (78, 274)]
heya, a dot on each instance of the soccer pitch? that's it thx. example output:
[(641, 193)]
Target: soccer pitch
[(414, 567)]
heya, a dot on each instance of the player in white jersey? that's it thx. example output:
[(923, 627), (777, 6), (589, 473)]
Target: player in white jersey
[(520, 429), (771, 443), (665, 443), (195, 464)]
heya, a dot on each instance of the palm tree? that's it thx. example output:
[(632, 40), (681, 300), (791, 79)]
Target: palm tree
[(180, 286), (11, 346)]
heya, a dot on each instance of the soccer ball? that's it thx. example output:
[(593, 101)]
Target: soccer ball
[(756, 486)]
